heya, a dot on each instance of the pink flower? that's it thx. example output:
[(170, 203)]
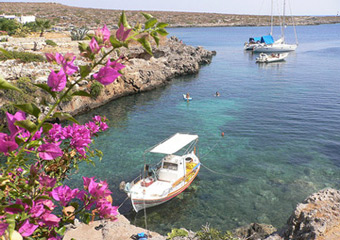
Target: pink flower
[(94, 46), (103, 126), (27, 228), (57, 81), (7, 143), (106, 75), (106, 210), (3, 228), (103, 33), (64, 194), (47, 182), (122, 35), (49, 219), (49, 151), (37, 210), (66, 61), (115, 64), (11, 119), (50, 57)]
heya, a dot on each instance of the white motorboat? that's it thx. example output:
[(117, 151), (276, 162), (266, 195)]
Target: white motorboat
[(170, 177), (268, 58), (279, 45)]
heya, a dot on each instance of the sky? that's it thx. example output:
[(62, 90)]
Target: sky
[(253, 7)]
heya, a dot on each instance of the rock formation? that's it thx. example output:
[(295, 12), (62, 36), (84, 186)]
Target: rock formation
[(143, 72)]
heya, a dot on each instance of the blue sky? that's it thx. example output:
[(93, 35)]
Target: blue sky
[(256, 7)]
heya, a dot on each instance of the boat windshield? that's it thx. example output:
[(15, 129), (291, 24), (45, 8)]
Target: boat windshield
[(170, 166)]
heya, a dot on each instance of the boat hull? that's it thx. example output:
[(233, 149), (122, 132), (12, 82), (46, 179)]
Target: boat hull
[(275, 48), (264, 58), (139, 204)]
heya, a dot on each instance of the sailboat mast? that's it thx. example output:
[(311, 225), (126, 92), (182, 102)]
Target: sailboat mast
[(283, 20), (271, 19)]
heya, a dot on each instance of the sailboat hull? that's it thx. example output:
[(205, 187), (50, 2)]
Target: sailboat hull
[(275, 48)]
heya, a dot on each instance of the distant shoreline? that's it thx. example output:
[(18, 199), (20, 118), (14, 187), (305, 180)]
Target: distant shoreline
[(67, 17)]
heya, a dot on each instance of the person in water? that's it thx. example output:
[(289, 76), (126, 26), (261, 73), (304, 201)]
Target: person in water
[(187, 96), (217, 94)]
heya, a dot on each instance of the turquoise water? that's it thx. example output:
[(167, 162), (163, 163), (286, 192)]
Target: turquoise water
[(281, 123)]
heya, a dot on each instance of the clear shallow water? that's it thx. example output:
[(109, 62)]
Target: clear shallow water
[(281, 123)]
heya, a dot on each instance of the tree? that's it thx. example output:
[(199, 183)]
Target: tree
[(42, 25)]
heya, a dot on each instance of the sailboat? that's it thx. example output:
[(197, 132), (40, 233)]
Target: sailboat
[(168, 178), (279, 45)]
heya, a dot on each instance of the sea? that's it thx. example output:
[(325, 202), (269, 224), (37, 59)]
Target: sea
[(281, 126)]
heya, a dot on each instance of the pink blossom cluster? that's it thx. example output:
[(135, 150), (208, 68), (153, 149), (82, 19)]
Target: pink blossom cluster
[(40, 215), (98, 196), (110, 72), (95, 196), (79, 137), (57, 80), (7, 142)]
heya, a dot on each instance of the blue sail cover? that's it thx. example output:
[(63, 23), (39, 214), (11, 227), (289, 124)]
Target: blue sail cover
[(257, 39), (268, 39)]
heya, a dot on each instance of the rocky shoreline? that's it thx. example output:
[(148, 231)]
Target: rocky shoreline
[(316, 218), (143, 72)]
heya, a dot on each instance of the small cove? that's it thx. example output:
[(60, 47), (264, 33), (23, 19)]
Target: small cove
[(281, 123)]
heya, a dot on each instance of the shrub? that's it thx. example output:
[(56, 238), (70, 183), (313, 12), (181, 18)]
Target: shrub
[(175, 232), (51, 43), (22, 56), (27, 95), (96, 89), (208, 233), (10, 26)]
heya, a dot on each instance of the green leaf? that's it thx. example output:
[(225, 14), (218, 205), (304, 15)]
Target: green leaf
[(82, 46), (64, 116), (27, 124), (162, 32), (61, 231), (29, 108), (155, 37), (162, 25), (6, 85), (114, 42), (150, 23), (81, 93), (46, 88), (75, 205), (46, 127), (10, 220), (84, 70), (147, 16), (146, 45), (123, 20), (34, 144)]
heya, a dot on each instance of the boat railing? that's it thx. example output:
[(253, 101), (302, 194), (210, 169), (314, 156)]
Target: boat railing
[(186, 176)]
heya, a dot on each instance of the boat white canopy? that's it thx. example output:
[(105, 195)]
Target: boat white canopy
[(174, 143)]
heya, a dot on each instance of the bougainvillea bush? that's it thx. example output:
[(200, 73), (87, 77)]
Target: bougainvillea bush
[(37, 154)]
